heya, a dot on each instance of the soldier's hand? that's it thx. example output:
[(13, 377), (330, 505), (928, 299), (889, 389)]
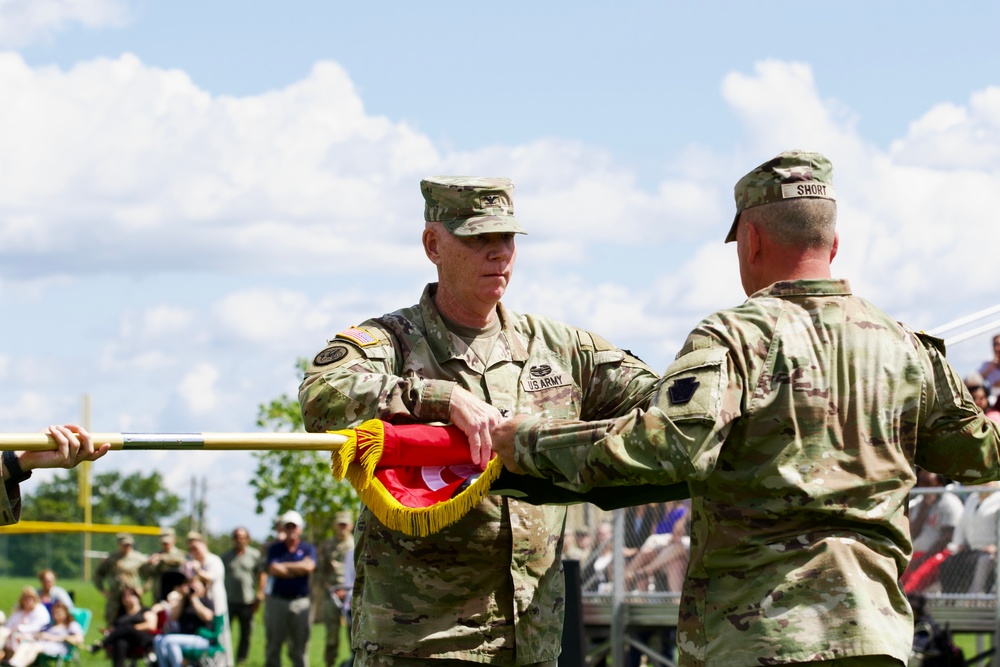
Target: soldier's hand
[(73, 447), (502, 436), (475, 418)]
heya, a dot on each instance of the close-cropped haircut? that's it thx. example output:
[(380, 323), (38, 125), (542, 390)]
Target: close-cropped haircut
[(807, 223)]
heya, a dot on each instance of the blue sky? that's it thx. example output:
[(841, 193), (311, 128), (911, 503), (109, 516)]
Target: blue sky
[(196, 194)]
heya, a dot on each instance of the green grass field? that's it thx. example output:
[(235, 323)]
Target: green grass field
[(87, 596)]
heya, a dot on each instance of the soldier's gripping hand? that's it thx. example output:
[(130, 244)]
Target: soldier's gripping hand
[(475, 418)]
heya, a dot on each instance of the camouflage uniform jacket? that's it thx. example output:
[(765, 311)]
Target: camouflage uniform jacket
[(119, 571), (170, 561), (796, 419), (10, 504), (330, 563), (489, 588)]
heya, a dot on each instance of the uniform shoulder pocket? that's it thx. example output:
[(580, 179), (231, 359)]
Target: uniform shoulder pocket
[(692, 387), (604, 352), (373, 343)]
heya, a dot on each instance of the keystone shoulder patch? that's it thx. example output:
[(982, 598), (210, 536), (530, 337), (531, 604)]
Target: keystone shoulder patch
[(682, 390)]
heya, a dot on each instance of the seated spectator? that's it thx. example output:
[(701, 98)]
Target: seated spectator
[(595, 572), (641, 522), (980, 397), (27, 618), (971, 569), (53, 640), (993, 412), (990, 370), (132, 632), (580, 547), (191, 611), (933, 519), (662, 560), (49, 593)]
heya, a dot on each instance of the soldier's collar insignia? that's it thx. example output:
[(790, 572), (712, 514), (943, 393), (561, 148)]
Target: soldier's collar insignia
[(682, 390)]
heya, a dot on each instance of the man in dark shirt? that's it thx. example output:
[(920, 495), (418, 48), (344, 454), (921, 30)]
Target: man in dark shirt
[(286, 608)]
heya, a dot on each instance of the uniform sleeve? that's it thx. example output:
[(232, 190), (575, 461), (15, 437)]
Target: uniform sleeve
[(676, 439), (616, 383), (100, 573), (10, 504), (347, 383), (955, 437)]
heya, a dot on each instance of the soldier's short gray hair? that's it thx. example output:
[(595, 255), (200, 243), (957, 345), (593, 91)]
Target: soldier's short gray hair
[(801, 223)]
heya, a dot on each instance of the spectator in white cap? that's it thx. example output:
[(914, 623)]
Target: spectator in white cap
[(286, 608)]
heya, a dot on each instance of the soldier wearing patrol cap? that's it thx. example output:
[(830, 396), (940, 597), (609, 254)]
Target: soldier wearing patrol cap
[(117, 572), (165, 564), (796, 419), (487, 589), (330, 577)]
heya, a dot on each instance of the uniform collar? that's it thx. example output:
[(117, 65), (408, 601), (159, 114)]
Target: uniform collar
[(818, 287), (445, 345)]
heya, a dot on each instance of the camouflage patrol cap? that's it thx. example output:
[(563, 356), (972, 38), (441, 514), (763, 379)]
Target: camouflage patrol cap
[(470, 205), (343, 517), (790, 175)]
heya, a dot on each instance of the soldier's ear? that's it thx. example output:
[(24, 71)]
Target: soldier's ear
[(432, 244)]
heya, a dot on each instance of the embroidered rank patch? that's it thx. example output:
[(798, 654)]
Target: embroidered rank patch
[(359, 337), (543, 377), (682, 390), (330, 355)]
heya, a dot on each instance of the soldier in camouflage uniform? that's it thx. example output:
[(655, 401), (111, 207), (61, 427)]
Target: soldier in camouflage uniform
[(168, 559), (118, 572), (796, 419), (73, 447), (489, 588), (330, 576)]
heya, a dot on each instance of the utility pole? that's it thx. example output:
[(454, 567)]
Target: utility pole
[(203, 503), (193, 520)]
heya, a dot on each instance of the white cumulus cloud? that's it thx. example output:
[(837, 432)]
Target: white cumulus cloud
[(23, 22)]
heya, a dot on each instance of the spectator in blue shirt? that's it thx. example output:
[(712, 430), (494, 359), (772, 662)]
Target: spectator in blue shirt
[(286, 608)]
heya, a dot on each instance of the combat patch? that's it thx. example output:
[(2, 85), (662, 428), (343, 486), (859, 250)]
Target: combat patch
[(330, 355), (543, 376), (692, 388), (358, 336)]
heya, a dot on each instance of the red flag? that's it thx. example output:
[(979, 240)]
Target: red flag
[(408, 475)]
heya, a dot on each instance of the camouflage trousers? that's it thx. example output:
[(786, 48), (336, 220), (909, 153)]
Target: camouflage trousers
[(363, 658), (332, 614)]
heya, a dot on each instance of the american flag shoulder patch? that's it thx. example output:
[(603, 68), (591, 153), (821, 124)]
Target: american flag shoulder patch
[(358, 336)]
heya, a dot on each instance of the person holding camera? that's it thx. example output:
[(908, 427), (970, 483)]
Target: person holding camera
[(191, 612)]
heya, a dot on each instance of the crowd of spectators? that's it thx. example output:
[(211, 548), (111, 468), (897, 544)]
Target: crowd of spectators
[(176, 604)]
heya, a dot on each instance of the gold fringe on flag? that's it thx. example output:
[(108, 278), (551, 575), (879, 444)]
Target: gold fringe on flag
[(368, 438)]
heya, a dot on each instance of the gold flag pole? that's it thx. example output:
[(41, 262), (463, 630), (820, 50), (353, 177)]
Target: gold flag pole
[(205, 441)]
